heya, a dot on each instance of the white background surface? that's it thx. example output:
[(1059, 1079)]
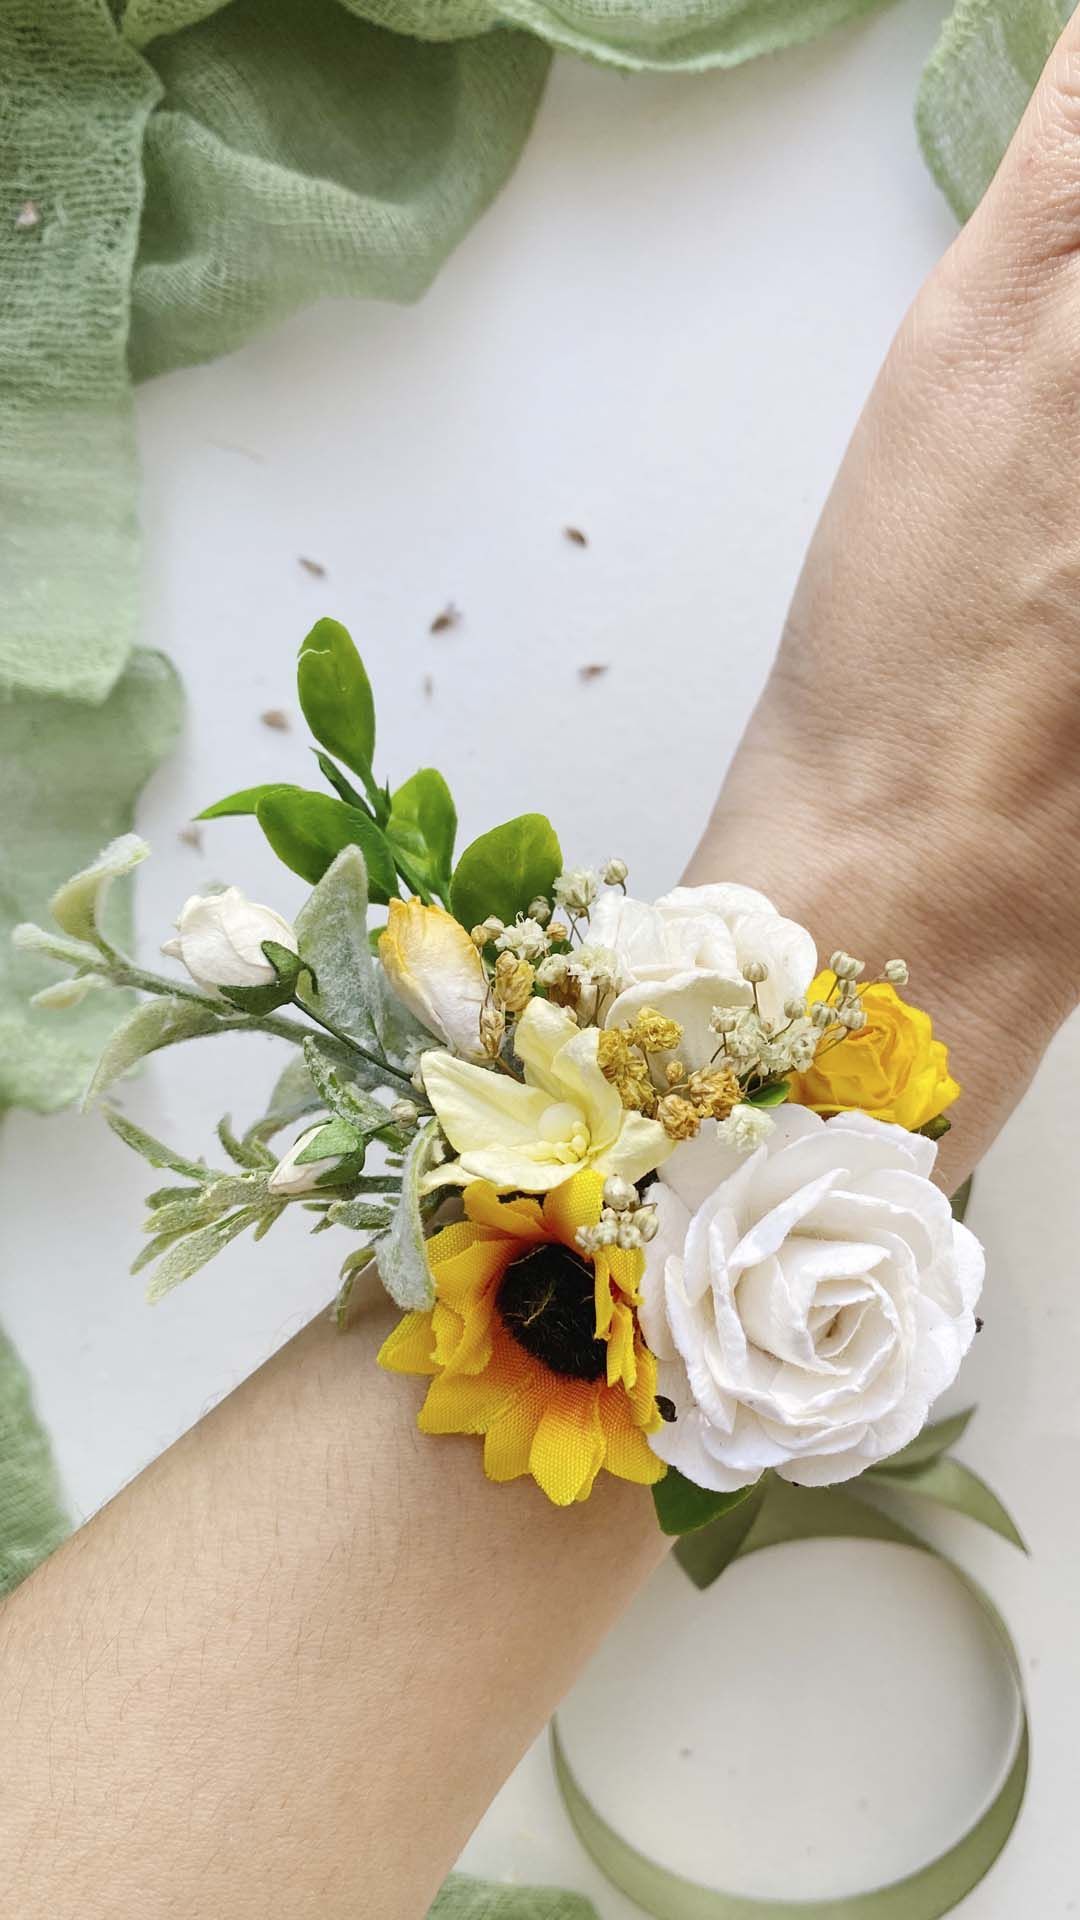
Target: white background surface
[(661, 334)]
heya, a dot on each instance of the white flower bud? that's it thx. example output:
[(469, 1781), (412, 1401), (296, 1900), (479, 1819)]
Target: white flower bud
[(896, 972), (823, 1013), (627, 1235), (493, 926), (288, 1180), (619, 1194), (851, 1017), (745, 1128), (219, 940), (723, 1019), (795, 1009), (540, 910), (614, 873), (756, 972), (404, 1113), (647, 1221)]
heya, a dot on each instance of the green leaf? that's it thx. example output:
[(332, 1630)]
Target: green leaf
[(360, 1216), (423, 826), (682, 1507), (342, 786), (505, 869), (952, 1485), (401, 1254), (349, 1101), (150, 1025), (961, 1199), (247, 800), (771, 1096), (335, 694), (705, 1552), (78, 905), (928, 1445), (331, 932), (352, 1267), (294, 1096), (278, 992), (463, 1898), (153, 1150), (336, 1140), (308, 830), (194, 1250)]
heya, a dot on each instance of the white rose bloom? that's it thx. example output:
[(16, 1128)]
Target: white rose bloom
[(219, 940), (807, 1304), (685, 954)]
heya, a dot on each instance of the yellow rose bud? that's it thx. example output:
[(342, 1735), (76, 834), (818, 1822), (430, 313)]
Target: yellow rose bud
[(892, 1068), (432, 966)]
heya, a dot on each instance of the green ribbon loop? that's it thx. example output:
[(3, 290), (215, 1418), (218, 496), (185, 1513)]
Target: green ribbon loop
[(781, 1514)]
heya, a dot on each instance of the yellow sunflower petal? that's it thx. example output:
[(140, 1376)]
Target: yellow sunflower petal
[(628, 1453), (464, 1402), (621, 1354), (641, 1397), (576, 1203), (509, 1438), (410, 1348), (568, 1448), (519, 1219), (465, 1276)]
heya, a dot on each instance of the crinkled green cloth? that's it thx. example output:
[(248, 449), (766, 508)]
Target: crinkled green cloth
[(175, 175)]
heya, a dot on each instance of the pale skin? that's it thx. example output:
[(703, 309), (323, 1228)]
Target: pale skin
[(261, 1682)]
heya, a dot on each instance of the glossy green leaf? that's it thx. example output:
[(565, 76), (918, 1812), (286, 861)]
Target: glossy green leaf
[(335, 694), (505, 869), (682, 1507), (246, 800), (423, 826), (773, 1096), (951, 1484), (928, 1445), (704, 1553), (308, 830)]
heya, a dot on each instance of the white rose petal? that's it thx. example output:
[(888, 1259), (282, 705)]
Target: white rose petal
[(806, 1304), (685, 954), (219, 940)]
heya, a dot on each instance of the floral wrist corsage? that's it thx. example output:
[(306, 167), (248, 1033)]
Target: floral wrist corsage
[(652, 1190)]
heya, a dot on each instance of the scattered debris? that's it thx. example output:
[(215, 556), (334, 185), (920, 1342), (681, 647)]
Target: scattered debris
[(575, 536), (429, 686), (593, 671), (277, 719), (191, 836), (449, 617), (28, 216), (314, 567)]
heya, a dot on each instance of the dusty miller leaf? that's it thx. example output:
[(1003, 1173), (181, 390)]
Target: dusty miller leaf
[(401, 1254), (331, 932), (152, 1024)]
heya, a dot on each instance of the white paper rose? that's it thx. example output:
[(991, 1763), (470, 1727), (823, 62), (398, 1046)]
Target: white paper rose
[(684, 954), (806, 1303), (219, 939)]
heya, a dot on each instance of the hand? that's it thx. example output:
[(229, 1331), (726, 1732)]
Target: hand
[(910, 783)]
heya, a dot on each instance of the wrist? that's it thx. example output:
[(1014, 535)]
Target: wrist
[(914, 882)]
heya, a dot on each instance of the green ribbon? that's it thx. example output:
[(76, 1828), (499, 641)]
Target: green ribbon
[(774, 1515)]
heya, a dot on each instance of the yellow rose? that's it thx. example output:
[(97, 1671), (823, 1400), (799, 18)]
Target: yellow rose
[(434, 968), (892, 1069)]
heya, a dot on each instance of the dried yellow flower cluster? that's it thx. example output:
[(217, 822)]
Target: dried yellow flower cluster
[(623, 1056)]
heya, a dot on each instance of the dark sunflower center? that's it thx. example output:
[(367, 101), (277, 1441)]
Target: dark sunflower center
[(546, 1299)]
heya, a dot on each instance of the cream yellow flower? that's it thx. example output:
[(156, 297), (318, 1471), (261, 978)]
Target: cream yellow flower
[(433, 967), (893, 1068), (528, 1138)]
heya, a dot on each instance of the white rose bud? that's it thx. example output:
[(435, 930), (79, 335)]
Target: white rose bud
[(289, 1180), (219, 940)]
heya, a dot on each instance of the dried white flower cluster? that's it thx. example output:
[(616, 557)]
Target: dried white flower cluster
[(625, 1220)]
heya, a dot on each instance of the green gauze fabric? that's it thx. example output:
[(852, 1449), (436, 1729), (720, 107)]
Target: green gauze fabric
[(32, 1517), (977, 83), (463, 1898)]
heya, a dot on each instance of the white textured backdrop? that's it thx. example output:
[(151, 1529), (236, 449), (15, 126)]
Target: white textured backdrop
[(661, 334)]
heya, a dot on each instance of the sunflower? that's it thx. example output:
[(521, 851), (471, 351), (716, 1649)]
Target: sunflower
[(534, 1344)]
